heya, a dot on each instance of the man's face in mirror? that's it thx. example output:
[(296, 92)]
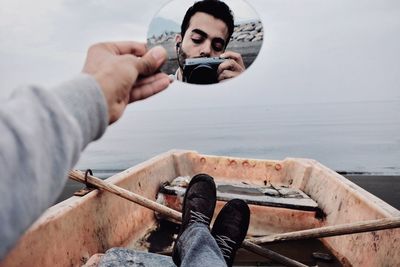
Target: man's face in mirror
[(206, 36), (205, 33)]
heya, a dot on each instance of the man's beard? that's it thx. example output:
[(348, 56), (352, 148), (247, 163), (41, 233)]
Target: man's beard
[(181, 56)]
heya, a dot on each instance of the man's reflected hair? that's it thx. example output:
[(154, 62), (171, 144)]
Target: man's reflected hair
[(215, 8)]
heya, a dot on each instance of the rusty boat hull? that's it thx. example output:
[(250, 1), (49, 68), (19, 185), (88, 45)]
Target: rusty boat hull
[(71, 232)]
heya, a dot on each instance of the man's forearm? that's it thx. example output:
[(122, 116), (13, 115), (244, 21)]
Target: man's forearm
[(41, 136)]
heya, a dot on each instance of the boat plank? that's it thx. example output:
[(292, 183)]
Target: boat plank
[(272, 196)]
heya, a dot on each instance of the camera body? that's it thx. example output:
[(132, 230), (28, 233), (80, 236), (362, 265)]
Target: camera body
[(202, 70)]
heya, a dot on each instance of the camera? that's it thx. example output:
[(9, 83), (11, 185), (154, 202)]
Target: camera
[(202, 70)]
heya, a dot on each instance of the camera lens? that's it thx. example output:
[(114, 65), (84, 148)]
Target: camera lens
[(203, 74)]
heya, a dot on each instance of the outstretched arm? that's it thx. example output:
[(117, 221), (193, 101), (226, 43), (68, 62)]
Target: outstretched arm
[(42, 132)]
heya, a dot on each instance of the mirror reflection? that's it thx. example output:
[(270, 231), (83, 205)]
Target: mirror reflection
[(208, 41)]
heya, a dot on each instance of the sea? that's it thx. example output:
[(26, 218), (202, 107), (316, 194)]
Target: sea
[(360, 140), (352, 137)]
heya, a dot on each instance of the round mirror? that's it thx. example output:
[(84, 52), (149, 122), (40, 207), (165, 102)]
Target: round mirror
[(208, 41)]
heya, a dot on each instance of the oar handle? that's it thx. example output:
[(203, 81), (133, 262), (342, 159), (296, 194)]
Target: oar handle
[(336, 230), (138, 199)]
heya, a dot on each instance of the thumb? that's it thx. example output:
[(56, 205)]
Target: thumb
[(151, 61)]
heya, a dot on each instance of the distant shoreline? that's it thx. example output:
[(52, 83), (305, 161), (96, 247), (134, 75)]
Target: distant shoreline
[(385, 187)]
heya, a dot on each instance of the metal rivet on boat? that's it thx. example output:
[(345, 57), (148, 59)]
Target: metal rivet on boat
[(232, 162), (278, 167)]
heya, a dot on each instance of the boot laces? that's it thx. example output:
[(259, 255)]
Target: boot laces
[(198, 217), (222, 242)]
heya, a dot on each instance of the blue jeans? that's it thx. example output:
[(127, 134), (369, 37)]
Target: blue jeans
[(196, 247)]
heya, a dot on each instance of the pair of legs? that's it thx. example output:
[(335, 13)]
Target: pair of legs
[(196, 244)]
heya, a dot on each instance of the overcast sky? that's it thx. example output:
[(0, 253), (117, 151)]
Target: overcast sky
[(313, 51), (175, 10)]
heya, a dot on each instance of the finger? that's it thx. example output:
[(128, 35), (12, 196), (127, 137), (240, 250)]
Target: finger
[(150, 79), (151, 61), (229, 64), (119, 48), (227, 74), (151, 87), (128, 47), (231, 54), (235, 56)]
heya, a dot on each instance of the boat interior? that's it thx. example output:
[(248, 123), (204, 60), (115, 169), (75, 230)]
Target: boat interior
[(283, 196)]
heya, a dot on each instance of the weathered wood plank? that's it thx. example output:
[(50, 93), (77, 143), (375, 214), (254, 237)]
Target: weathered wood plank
[(273, 196)]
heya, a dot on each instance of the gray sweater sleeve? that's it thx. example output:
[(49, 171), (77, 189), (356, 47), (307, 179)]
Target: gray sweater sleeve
[(42, 133)]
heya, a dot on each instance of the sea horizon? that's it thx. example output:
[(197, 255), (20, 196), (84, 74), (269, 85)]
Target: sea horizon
[(348, 137)]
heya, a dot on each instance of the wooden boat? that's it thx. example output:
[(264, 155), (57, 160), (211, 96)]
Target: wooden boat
[(70, 232)]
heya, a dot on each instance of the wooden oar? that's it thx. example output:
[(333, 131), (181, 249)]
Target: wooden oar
[(271, 254), (336, 230), (101, 184), (138, 199)]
